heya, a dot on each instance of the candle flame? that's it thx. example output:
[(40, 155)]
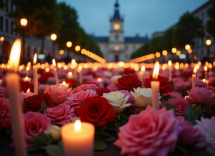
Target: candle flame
[(99, 79), (73, 61), (64, 82), (28, 90), (143, 68), (203, 80), (169, 63), (205, 68), (35, 58), (77, 125), (194, 71), (15, 55), (70, 73), (53, 62), (80, 68), (156, 71)]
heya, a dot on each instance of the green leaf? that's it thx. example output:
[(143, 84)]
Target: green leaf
[(53, 150), (100, 133), (167, 97), (60, 145), (99, 145), (169, 107), (191, 115), (50, 83), (97, 138), (81, 102), (42, 107), (39, 142), (33, 149), (172, 83), (108, 139)]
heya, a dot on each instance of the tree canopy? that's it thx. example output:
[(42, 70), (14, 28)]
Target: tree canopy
[(210, 25)]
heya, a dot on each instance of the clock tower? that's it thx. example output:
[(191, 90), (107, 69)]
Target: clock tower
[(116, 38)]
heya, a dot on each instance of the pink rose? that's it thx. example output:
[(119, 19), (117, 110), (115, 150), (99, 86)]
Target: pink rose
[(24, 95), (5, 117), (201, 95), (177, 80), (53, 80), (112, 87), (60, 114), (210, 88), (42, 87), (199, 83), (175, 95), (180, 104), (75, 99), (150, 133), (188, 134), (58, 93), (130, 100), (2, 92), (84, 87), (89, 78)]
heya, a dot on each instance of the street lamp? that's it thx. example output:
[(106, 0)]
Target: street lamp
[(208, 43), (174, 50), (23, 23), (77, 48), (53, 38), (69, 45), (187, 47)]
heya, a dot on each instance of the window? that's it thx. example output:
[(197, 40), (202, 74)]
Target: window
[(11, 7), (1, 23), (134, 47), (106, 47), (6, 6), (6, 25), (126, 47), (116, 48), (116, 37), (11, 28)]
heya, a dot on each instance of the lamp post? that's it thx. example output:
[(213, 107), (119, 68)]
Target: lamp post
[(187, 47), (208, 43), (69, 45), (23, 23), (174, 50), (164, 52), (53, 38)]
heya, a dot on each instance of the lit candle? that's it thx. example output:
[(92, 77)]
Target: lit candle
[(55, 72), (80, 73), (194, 78), (74, 64), (0, 82), (99, 80), (206, 76), (197, 70), (78, 138), (177, 68), (141, 73), (155, 85), (64, 84), (35, 74), (69, 75), (27, 70), (13, 88), (27, 79), (170, 70)]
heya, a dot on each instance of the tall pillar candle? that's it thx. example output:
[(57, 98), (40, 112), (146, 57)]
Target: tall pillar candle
[(55, 72), (35, 74), (78, 139), (170, 70), (194, 78), (155, 85), (206, 73), (13, 87)]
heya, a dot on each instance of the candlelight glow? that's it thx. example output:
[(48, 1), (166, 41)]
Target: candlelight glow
[(69, 44), (203, 80), (23, 22), (121, 64), (156, 71), (208, 42), (194, 71), (53, 62), (186, 65), (80, 68), (77, 126), (164, 52), (187, 47), (77, 48), (143, 68), (177, 66), (190, 51), (64, 82), (174, 50), (15, 55), (28, 91), (70, 73), (205, 68), (27, 68), (61, 52), (99, 80), (178, 53), (170, 63), (157, 54), (47, 69), (53, 37), (73, 61), (35, 58)]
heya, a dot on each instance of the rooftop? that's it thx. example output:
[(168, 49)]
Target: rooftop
[(127, 39)]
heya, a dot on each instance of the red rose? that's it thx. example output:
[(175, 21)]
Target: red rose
[(165, 86), (187, 73), (129, 71), (40, 71), (96, 110), (128, 82), (91, 73), (33, 103), (102, 90), (24, 86), (71, 82), (212, 113), (44, 77), (89, 83)]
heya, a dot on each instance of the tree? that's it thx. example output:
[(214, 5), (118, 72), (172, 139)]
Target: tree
[(155, 44), (43, 17), (167, 40), (188, 28), (210, 25)]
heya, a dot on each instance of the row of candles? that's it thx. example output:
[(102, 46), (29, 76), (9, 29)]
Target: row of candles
[(77, 137)]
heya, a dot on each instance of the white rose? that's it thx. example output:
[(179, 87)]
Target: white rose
[(142, 96), (120, 70), (107, 74), (54, 131), (115, 78), (117, 101)]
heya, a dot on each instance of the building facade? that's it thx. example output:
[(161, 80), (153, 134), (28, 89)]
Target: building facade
[(116, 46), (8, 36)]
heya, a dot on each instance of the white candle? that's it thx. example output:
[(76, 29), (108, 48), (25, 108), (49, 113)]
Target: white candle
[(27, 79), (13, 88), (55, 72), (194, 78), (69, 75), (64, 84), (155, 85), (35, 74), (170, 70), (78, 139), (141, 73), (27, 70), (206, 76), (80, 73)]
